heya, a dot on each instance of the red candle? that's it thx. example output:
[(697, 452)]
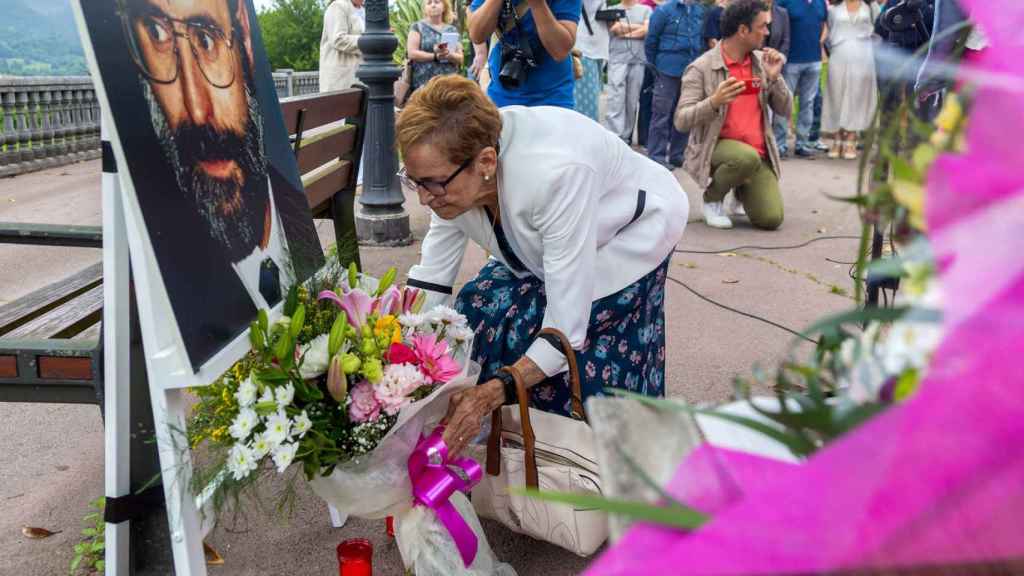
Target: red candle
[(355, 557)]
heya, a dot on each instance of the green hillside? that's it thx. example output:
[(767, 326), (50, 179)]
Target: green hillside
[(39, 38)]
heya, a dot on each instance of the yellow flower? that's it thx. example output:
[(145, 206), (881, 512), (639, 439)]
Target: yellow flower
[(952, 112), (385, 325), (396, 336), (911, 196), (219, 433)]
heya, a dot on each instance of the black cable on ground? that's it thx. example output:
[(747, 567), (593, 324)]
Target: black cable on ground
[(742, 313), (751, 247)]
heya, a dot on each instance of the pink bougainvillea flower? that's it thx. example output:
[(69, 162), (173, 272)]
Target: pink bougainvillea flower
[(402, 354), (390, 302), (937, 480), (364, 406), (356, 304), (435, 361)]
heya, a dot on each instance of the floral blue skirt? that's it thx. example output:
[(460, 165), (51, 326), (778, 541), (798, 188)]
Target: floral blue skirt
[(625, 345)]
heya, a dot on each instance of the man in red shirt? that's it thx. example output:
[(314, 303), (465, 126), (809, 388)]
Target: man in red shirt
[(724, 104)]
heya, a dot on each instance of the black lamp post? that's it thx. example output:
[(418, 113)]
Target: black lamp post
[(381, 219)]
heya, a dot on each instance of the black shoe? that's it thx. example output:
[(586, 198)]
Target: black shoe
[(806, 153)]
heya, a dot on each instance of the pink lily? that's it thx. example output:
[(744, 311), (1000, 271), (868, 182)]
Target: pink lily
[(389, 302), (412, 300), (435, 361), (356, 304)]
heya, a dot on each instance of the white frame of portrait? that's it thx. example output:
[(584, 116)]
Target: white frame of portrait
[(167, 363)]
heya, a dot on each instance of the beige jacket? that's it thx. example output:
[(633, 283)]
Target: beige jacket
[(696, 115), (339, 52)]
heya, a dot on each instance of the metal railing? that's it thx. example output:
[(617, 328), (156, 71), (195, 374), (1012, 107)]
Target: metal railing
[(47, 121)]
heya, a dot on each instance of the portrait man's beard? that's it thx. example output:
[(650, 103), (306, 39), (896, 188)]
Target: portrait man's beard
[(234, 208)]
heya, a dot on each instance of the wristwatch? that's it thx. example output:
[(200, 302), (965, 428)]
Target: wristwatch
[(508, 384), (435, 57)]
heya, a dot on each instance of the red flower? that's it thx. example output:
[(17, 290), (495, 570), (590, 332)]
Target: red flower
[(402, 354)]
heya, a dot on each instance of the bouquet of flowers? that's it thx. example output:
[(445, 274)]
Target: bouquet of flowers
[(345, 384)]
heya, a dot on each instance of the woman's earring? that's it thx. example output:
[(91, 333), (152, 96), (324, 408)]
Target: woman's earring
[(487, 177)]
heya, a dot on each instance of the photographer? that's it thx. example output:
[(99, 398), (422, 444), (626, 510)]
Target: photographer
[(530, 62)]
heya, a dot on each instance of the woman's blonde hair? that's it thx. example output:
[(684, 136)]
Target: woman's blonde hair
[(447, 16), (452, 113)]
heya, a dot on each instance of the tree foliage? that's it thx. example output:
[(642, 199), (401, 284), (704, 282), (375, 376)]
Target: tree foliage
[(291, 33)]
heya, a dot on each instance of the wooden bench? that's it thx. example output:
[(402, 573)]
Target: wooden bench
[(51, 345)]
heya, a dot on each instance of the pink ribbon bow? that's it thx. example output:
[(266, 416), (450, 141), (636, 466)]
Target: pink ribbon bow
[(433, 483)]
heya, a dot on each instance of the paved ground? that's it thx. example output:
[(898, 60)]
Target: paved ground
[(51, 457)]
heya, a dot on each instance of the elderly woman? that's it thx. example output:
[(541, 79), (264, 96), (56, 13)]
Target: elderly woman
[(580, 229)]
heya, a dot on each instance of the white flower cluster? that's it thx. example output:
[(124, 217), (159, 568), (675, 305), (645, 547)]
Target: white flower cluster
[(440, 320), (908, 344), (273, 434)]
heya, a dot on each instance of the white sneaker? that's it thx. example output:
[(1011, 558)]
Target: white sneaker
[(734, 207), (714, 215)]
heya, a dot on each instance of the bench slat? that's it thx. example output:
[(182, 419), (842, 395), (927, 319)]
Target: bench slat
[(41, 301), (321, 186), (320, 149), (321, 109), (65, 320)]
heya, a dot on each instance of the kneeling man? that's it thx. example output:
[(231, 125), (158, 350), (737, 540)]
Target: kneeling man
[(724, 105)]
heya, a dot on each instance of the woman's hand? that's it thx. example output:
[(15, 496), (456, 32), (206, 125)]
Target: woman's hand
[(479, 61), (466, 412), (442, 53)]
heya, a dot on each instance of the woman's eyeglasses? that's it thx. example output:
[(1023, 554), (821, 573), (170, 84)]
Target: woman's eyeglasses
[(436, 188)]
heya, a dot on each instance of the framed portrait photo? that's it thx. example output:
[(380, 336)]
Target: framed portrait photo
[(206, 164)]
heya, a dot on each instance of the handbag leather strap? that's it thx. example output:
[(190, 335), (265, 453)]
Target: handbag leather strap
[(529, 440)]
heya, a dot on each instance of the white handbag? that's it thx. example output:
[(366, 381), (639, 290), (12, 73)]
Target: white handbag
[(552, 453)]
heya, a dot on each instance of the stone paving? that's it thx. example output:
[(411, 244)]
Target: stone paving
[(51, 456)]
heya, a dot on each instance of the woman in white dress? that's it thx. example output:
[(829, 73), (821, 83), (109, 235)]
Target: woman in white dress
[(851, 93)]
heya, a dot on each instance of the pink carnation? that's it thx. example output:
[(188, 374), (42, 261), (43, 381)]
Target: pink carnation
[(394, 389), (363, 405), (435, 362)]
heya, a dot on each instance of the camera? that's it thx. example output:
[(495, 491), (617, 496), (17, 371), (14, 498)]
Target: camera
[(907, 16), (610, 15), (516, 62)]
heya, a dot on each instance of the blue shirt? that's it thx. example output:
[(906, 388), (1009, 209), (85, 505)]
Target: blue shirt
[(712, 24), (806, 19), (675, 36), (550, 83)]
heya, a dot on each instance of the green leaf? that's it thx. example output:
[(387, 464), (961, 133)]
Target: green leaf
[(857, 316), (264, 321), (75, 563), (353, 275), (88, 531), (903, 170), (337, 337), (292, 302), (298, 320), (256, 336), (100, 565), (797, 445), (674, 516), (272, 374), (284, 349), (98, 546), (79, 548), (386, 281)]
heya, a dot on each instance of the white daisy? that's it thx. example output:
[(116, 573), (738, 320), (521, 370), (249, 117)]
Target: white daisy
[(241, 461), (301, 424), (284, 455), (246, 393), (285, 395), (278, 428), (267, 396), (260, 446), (243, 424), (413, 321), (447, 315)]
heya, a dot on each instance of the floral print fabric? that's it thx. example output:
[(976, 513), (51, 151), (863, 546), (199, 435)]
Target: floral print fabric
[(624, 349)]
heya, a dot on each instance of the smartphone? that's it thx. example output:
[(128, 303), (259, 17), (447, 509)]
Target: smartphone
[(450, 39)]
